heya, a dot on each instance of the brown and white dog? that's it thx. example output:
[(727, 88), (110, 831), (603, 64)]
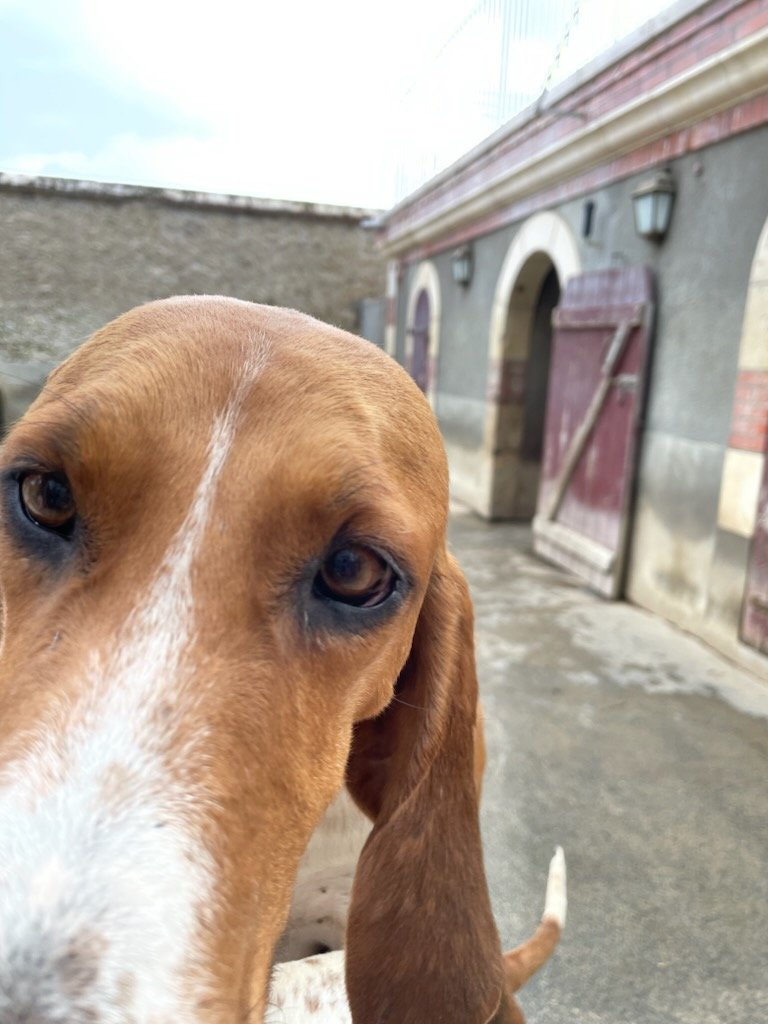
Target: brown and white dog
[(226, 594)]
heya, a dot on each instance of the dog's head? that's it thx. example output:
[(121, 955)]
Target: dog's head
[(224, 579)]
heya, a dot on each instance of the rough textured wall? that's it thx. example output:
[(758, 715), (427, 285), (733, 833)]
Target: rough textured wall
[(19, 385), (72, 260)]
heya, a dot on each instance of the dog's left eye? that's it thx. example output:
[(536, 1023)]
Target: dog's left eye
[(47, 500), (355, 575)]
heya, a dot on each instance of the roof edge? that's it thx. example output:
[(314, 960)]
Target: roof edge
[(81, 188)]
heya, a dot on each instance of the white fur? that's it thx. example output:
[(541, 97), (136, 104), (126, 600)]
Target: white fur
[(309, 991), (556, 899), (100, 859)]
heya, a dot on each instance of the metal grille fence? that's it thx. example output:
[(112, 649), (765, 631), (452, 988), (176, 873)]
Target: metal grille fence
[(497, 59)]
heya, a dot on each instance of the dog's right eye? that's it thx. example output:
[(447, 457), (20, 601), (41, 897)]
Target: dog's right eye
[(355, 575), (46, 499), (356, 585)]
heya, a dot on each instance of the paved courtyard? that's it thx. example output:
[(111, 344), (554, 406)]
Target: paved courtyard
[(646, 756)]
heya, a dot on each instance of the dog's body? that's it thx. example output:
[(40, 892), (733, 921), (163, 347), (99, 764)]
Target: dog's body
[(312, 990), (226, 596)]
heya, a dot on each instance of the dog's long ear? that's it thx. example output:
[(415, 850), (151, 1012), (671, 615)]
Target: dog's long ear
[(422, 947)]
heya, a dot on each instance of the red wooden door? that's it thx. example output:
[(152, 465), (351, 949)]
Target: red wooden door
[(754, 620), (600, 349), (420, 356)]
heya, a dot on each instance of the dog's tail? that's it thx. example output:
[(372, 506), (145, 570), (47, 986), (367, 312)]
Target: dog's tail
[(525, 960)]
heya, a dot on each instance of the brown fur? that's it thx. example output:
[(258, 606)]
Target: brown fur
[(332, 433), (420, 881)]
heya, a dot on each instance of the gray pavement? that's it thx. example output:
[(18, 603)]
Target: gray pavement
[(645, 755)]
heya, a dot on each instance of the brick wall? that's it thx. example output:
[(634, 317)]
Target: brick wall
[(749, 428)]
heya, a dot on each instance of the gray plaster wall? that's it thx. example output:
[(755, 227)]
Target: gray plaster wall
[(71, 260), (681, 565), (372, 320), (702, 271), (462, 366), (404, 285), (463, 358)]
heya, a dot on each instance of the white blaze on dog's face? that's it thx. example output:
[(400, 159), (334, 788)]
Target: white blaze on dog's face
[(214, 545)]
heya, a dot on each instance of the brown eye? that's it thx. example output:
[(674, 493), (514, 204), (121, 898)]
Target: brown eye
[(47, 501), (355, 575)]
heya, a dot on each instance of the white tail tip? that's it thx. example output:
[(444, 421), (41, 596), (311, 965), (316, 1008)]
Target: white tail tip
[(556, 900)]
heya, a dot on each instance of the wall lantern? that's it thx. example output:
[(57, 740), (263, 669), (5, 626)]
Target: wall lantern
[(652, 202), (462, 265)]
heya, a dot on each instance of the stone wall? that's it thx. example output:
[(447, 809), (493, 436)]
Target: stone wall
[(76, 254)]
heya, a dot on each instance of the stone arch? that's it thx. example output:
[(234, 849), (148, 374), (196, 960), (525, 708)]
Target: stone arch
[(544, 246), (744, 463), (425, 282)]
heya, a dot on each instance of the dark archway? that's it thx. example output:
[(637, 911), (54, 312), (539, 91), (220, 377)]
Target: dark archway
[(537, 370), (522, 396)]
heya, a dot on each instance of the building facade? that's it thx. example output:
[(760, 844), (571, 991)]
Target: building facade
[(540, 218)]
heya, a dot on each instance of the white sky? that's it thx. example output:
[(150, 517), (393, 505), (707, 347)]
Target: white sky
[(288, 98)]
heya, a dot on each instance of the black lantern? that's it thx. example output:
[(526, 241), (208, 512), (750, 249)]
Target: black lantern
[(652, 203), (461, 265)]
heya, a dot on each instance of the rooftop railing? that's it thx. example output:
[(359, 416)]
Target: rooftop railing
[(498, 58)]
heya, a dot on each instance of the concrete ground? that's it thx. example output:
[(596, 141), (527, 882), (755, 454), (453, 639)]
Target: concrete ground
[(645, 755)]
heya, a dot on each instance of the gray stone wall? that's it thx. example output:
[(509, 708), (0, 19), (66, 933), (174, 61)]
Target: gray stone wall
[(19, 385), (372, 320), (76, 254)]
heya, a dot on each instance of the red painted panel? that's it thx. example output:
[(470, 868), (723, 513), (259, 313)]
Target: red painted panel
[(749, 424), (506, 385), (754, 622), (599, 405)]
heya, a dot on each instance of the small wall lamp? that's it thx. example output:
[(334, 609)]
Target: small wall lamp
[(652, 202), (462, 265)]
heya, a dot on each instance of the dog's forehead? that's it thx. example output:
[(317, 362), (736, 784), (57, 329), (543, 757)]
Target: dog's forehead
[(211, 343), (182, 360), (309, 398)]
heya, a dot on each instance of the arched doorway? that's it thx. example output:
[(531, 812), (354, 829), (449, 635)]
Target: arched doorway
[(524, 374), (743, 508), (422, 335), (537, 372), (542, 257)]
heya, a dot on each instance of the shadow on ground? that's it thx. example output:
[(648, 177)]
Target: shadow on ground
[(646, 756)]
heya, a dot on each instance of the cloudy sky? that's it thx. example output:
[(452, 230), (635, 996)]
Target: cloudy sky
[(288, 98)]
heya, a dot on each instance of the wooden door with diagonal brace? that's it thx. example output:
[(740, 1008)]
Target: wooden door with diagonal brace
[(600, 348)]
